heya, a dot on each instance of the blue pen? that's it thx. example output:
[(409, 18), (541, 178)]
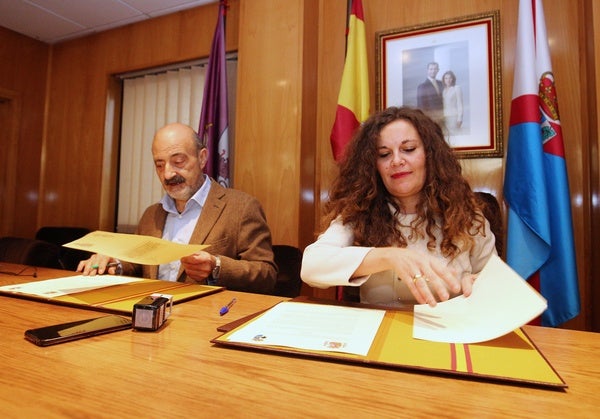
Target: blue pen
[(225, 309)]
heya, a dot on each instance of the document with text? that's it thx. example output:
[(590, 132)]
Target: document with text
[(57, 287), (135, 248), (501, 302), (313, 327)]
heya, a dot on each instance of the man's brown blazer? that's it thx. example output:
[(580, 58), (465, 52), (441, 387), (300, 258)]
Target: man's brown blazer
[(234, 226)]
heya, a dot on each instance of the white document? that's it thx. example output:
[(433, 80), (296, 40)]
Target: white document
[(501, 302), (313, 327), (135, 248), (57, 287)]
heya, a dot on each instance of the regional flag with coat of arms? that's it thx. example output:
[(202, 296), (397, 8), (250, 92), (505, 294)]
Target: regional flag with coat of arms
[(540, 245)]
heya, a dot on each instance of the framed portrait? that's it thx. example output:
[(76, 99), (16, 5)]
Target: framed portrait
[(452, 71)]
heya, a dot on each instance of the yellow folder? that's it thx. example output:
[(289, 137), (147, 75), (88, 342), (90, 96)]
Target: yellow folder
[(512, 357), (119, 299)]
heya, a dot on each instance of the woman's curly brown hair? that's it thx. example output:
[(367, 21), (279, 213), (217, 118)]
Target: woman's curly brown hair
[(360, 198)]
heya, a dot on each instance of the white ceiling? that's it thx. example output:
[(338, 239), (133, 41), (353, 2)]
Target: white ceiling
[(53, 21)]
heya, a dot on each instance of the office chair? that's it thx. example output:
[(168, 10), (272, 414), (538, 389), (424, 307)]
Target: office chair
[(29, 252), (491, 210), (289, 262), (69, 258)]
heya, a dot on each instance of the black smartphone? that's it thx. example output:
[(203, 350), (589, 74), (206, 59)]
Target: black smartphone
[(65, 332)]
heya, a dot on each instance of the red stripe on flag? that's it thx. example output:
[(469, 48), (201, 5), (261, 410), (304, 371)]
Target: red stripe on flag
[(343, 129), (525, 108), (357, 10)]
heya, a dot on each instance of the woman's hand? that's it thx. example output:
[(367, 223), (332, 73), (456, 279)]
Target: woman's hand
[(467, 284), (423, 274)]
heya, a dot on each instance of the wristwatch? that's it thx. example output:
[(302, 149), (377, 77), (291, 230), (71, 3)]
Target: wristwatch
[(212, 280), (118, 267)]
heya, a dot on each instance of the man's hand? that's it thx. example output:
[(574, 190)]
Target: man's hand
[(199, 265), (98, 265)]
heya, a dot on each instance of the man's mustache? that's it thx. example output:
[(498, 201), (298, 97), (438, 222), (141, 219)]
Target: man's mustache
[(175, 180)]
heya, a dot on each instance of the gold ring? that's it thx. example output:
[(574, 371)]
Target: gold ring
[(416, 277)]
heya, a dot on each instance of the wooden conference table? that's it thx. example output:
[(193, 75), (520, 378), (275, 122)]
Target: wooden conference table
[(177, 372)]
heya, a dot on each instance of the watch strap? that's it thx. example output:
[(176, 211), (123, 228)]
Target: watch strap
[(216, 272)]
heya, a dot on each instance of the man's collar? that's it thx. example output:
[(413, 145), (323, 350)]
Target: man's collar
[(199, 197)]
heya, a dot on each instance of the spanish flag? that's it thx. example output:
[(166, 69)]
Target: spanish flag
[(353, 100)]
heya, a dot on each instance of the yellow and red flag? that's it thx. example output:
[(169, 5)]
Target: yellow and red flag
[(353, 100)]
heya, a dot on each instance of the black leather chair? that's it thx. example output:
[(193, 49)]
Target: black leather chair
[(289, 262), (29, 252), (491, 210), (69, 258)]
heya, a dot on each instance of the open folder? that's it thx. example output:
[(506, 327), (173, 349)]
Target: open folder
[(108, 293), (512, 357)]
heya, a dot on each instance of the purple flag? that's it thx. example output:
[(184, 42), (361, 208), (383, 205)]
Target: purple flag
[(214, 123)]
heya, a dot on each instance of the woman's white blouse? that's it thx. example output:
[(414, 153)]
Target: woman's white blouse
[(332, 260)]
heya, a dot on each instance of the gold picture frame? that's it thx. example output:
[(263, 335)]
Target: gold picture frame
[(469, 47)]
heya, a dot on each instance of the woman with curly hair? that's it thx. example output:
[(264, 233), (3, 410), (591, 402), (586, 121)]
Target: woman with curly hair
[(403, 223)]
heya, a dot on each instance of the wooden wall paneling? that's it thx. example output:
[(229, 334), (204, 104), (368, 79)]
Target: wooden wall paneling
[(332, 44), (10, 116), (23, 65), (269, 111), (308, 137), (73, 147), (592, 41), (331, 57), (110, 156)]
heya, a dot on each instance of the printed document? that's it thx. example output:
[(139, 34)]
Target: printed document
[(313, 327), (135, 248), (501, 302), (57, 287)]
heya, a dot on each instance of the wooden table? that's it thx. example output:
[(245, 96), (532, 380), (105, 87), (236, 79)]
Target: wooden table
[(177, 372)]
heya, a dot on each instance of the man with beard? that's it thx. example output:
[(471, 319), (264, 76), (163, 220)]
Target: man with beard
[(196, 209)]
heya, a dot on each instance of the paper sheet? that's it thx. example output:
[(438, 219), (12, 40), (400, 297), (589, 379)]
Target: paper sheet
[(135, 248), (313, 327), (501, 302), (57, 287)]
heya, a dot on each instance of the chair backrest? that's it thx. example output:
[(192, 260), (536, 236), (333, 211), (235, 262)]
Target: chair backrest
[(289, 262), (69, 258), (29, 252), (492, 211)]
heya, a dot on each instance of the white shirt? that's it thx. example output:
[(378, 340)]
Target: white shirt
[(332, 260), (180, 226)]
